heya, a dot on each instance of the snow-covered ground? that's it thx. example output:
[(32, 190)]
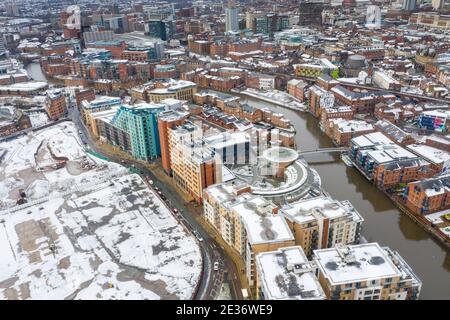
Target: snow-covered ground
[(90, 230)]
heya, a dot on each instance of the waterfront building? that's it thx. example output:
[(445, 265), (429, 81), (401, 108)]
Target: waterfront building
[(366, 272), (341, 131), (322, 222), (286, 274), (140, 122), (297, 88), (315, 95), (394, 133), (343, 112), (386, 163), (439, 159), (361, 102), (428, 196), (55, 104)]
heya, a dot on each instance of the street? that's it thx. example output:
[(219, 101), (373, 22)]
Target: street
[(211, 281)]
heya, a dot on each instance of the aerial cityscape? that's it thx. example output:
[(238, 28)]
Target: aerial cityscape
[(225, 150)]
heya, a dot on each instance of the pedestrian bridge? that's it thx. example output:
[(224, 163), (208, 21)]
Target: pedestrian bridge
[(323, 150)]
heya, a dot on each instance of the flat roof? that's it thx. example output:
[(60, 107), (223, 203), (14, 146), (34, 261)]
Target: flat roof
[(286, 274), (261, 225), (355, 263)]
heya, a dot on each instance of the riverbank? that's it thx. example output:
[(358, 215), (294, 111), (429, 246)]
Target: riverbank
[(384, 223)]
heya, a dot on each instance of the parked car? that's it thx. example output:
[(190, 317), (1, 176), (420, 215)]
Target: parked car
[(216, 266), (175, 210)]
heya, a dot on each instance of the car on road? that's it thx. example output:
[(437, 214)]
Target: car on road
[(198, 236), (216, 266)]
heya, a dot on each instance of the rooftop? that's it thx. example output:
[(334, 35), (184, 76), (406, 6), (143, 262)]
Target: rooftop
[(287, 274), (355, 263)]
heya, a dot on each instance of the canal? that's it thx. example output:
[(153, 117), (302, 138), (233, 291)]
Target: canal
[(384, 223)]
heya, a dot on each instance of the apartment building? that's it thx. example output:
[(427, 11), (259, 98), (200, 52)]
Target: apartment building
[(286, 274), (82, 94), (259, 229), (343, 112), (166, 121), (360, 101), (439, 159), (89, 108), (140, 122), (366, 272), (107, 132), (55, 104), (181, 90), (297, 88), (428, 196), (322, 222), (394, 133), (194, 165), (315, 95), (341, 131), (386, 163)]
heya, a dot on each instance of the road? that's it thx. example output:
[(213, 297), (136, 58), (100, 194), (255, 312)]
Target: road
[(211, 281)]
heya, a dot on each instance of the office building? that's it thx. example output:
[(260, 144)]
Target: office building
[(161, 29), (310, 12), (231, 17)]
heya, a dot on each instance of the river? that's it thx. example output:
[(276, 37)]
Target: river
[(384, 223), (35, 72)]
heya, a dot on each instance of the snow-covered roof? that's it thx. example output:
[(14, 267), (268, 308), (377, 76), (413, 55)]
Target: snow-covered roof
[(286, 274), (431, 154), (356, 263), (261, 225), (308, 210)]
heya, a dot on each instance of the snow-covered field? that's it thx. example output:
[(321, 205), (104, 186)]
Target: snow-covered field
[(90, 230)]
